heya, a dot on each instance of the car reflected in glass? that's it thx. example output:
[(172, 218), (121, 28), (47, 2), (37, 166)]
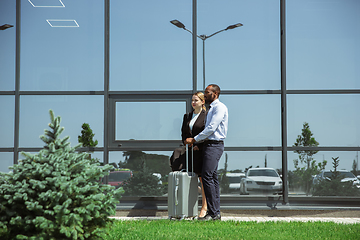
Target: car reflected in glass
[(261, 181), (116, 178), (345, 176)]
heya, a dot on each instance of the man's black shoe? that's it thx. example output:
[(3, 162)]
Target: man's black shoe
[(217, 217), (208, 217)]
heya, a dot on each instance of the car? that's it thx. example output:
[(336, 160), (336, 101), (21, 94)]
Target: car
[(234, 181), (261, 181), (116, 178), (346, 176)]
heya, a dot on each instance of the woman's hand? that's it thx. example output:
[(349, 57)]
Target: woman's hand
[(189, 141), (196, 148)]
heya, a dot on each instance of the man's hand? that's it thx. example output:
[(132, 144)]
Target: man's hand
[(189, 141)]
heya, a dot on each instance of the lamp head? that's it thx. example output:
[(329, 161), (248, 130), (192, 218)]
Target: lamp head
[(177, 23), (5, 26), (234, 26)]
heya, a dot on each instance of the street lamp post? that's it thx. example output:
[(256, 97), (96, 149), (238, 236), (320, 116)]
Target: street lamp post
[(203, 38)]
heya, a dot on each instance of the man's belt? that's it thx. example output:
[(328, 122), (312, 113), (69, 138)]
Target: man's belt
[(214, 141)]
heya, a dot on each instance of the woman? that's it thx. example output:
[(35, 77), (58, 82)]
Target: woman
[(193, 124)]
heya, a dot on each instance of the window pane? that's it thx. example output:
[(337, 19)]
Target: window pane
[(6, 160), (323, 47), (147, 51), (239, 162), (8, 42), (66, 53), (149, 120), (333, 119), (347, 162), (246, 57), (73, 110), (254, 120), (7, 110), (98, 155)]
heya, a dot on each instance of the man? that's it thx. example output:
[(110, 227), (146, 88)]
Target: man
[(213, 136)]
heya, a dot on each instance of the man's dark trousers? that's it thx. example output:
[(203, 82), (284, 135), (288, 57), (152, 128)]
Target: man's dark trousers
[(211, 155)]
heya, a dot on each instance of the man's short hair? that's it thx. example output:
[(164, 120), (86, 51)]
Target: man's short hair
[(216, 88)]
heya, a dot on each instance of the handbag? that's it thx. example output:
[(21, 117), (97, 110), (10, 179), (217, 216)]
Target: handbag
[(178, 160)]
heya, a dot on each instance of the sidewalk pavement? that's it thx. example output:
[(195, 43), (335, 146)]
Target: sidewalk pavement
[(346, 220)]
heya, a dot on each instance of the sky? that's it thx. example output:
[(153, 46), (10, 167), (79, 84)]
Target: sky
[(148, 53)]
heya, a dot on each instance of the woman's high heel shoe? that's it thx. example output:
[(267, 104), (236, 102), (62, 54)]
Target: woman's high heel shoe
[(202, 213)]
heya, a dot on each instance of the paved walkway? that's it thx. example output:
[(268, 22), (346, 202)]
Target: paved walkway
[(263, 219)]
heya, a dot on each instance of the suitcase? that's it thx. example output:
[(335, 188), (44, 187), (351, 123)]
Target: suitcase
[(183, 193)]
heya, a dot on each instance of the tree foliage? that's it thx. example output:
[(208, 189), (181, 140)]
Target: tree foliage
[(334, 186), (56, 193), (154, 162), (86, 137), (302, 176), (354, 168), (143, 183)]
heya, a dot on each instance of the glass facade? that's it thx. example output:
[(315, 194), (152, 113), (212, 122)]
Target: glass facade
[(150, 121), (50, 35), (6, 160), (7, 108), (74, 111), (322, 49), (122, 67), (247, 57), (144, 54)]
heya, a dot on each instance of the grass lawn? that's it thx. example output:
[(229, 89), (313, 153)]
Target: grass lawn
[(166, 229)]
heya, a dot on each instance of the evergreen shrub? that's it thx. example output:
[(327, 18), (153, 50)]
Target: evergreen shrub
[(56, 193)]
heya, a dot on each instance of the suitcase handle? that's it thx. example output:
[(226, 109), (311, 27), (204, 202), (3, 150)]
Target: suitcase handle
[(176, 195), (187, 159)]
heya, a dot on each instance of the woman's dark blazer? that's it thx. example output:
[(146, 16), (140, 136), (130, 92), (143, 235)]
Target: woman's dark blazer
[(199, 125)]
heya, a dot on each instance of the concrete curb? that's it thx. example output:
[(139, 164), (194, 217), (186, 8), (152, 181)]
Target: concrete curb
[(259, 219)]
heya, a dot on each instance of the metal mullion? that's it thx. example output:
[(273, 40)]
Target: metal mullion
[(253, 149), (17, 82), (146, 145), (249, 92), (291, 148), (194, 46), (106, 80), (8, 149), (283, 99), (325, 91), (324, 148), (38, 149), (7, 93), (61, 92), (151, 93)]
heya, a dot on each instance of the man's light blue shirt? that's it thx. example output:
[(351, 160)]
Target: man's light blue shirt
[(216, 125)]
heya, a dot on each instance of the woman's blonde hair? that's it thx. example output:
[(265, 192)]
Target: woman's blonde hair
[(202, 98)]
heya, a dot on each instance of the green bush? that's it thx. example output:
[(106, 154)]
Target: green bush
[(56, 193)]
